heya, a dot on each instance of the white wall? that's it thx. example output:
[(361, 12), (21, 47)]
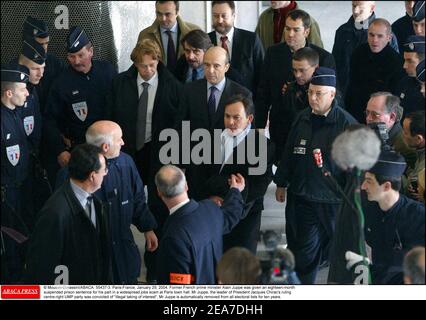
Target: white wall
[(130, 17)]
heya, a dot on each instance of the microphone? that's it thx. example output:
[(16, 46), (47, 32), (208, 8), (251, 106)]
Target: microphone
[(357, 147)]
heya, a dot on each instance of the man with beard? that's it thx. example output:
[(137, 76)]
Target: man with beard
[(190, 67), (243, 47)]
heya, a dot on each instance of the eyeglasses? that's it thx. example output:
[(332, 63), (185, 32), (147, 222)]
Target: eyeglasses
[(373, 114), (317, 94)]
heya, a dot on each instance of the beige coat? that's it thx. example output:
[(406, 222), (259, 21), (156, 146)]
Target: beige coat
[(153, 33), (265, 30)]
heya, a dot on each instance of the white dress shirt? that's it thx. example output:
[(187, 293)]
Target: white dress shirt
[(152, 91)]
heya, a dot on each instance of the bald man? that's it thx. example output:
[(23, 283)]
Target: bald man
[(192, 243), (123, 191), (203, 103)]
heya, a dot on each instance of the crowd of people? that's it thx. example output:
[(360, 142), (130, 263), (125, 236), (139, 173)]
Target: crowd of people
[(82, 153)]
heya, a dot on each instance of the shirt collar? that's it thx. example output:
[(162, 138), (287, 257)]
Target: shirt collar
[(230, 35), (178, 206), (220, 86), (173, 29), (239, 137), (80, 193), (151, 81)]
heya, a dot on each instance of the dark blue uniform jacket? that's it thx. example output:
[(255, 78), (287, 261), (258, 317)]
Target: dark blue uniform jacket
[(192, 245)]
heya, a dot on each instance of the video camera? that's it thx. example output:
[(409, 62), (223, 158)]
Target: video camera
[(382, 132), (277, 263)]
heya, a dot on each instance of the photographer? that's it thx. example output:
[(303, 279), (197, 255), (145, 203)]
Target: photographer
[(414, 137), (383, 107)]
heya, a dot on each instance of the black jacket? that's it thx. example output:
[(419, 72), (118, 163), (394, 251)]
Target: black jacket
[(403, 28), (193, 108), (297, 169), (371, 72), (64, 235), (247, 58), (256, 184), (347, 39), (122, 107), (277, 71)]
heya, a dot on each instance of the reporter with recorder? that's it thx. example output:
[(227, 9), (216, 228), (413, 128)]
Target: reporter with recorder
[(312, 202)]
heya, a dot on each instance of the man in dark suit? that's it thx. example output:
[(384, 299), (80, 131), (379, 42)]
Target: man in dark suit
[(240, 143), (191, 245), (202, 104), (143, 101), (189, 66), (244, 47), (276, 71), (70, 241)]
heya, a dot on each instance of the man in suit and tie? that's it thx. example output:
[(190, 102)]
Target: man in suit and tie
[(191, 245), (143, 101), (167, 31), (240, 141), (202, 104), (72, 230), (244, 47)]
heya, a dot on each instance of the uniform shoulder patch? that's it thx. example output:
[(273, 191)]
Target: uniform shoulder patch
[(181, 278)]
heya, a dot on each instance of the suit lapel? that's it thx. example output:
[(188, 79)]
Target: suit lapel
[(218, 117), (236, 47)]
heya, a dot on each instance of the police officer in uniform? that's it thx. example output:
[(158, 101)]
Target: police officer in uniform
[(420, 75), (394, 224), (418, 18), (14, 170), (78, 96), (33, 57), (38, 30), (312, 202), (409, 87)]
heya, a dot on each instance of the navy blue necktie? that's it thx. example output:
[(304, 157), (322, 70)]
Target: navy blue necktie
[(194, 74), (211, 104), (171, 52)]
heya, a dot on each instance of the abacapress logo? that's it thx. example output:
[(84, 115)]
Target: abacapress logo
[(20, 292)]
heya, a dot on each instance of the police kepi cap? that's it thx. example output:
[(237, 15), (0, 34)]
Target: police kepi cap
[(33, 51), (34, 28), (418, 11), (76, 40), (415, 44), (14, 72), (390, 164), (324, 77), (420, 71)]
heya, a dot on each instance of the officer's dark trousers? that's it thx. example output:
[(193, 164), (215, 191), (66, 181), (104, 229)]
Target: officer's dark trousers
[(312, 226), (156, 205), (245, 234)]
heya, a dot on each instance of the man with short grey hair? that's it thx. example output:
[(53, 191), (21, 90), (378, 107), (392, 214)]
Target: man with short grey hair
[(123, 190), (384, 107), (374, 67), (414, 266), (192, 244)]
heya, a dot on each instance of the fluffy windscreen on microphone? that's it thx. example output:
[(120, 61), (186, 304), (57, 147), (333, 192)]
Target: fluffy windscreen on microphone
[(357, 147)]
